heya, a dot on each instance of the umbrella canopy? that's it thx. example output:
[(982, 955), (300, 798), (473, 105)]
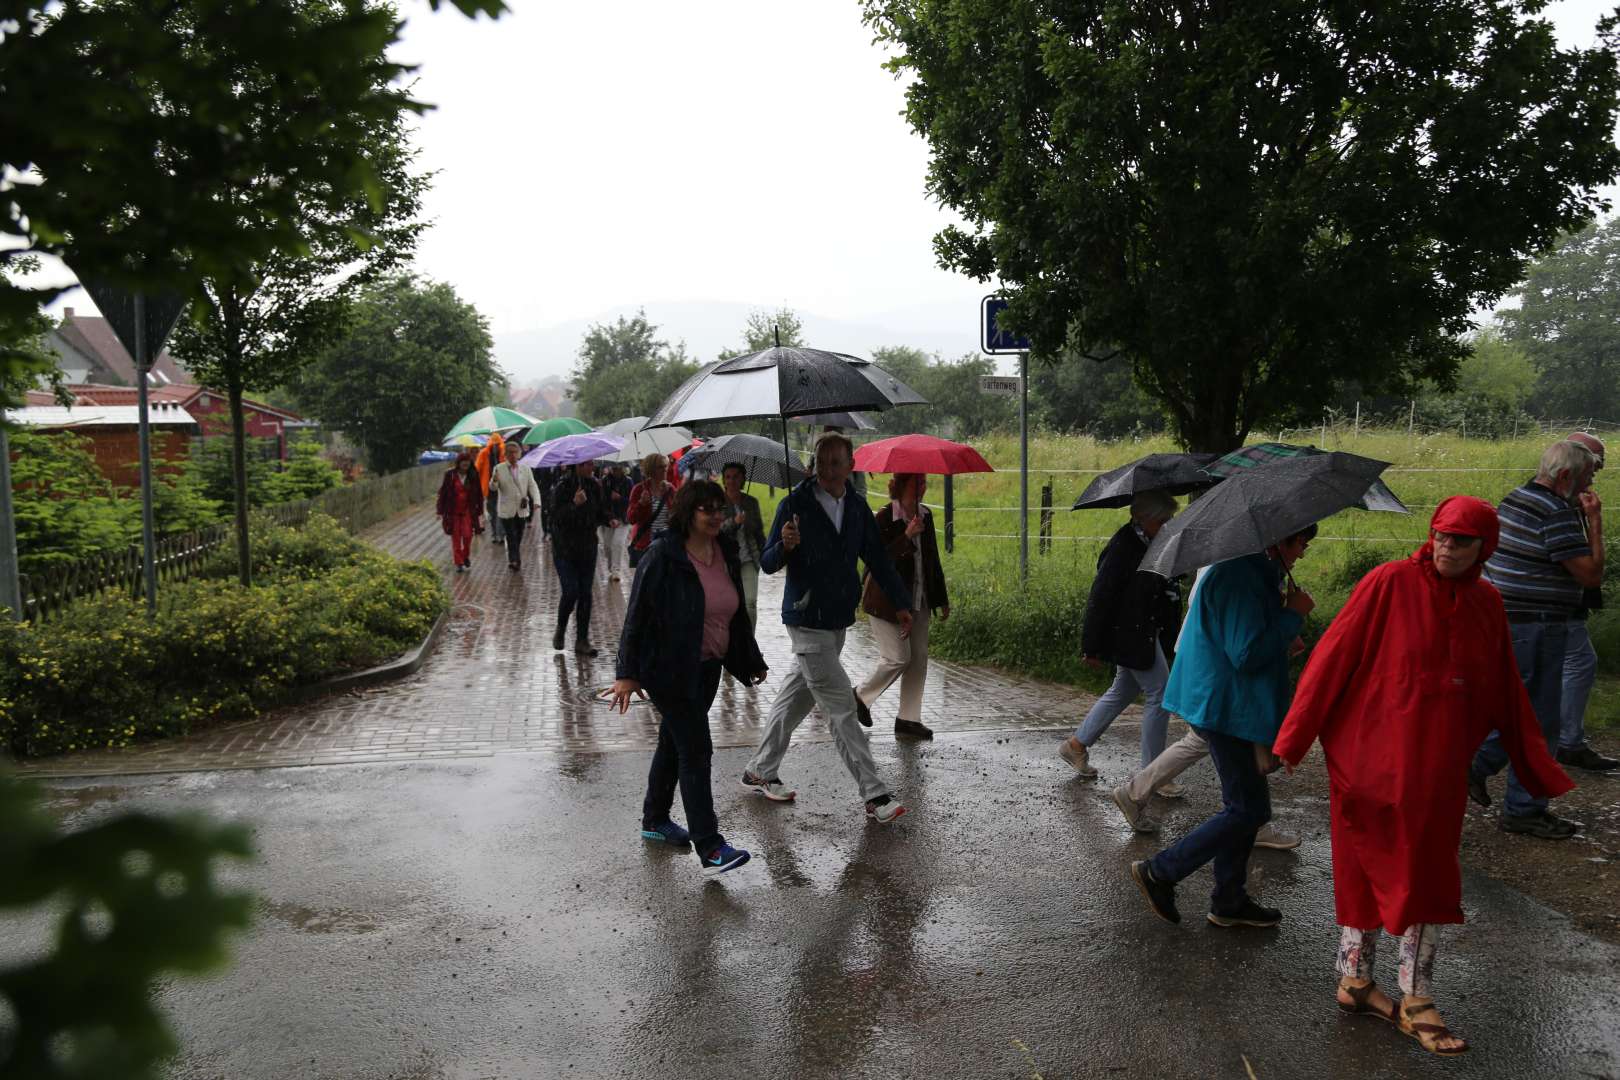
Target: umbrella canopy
[(571, 450), (1378, 496), (467, 441), (919, 454), (1177, 474), (783, 382), (638, 443), (1255, 509), (765, 460), (555, 428), (489, 418), (852, 421)]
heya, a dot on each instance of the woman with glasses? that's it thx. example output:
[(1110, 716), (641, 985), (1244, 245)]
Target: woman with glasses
[(1413, 673), (686, 621)]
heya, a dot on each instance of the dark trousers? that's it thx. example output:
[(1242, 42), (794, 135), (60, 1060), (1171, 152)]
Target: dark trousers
[(513, 528), (1228, 837), (683, 754), (1540, 650), (576, 576)]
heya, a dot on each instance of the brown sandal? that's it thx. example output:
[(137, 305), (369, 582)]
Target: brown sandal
[(1361, 995), (1428, 1035)]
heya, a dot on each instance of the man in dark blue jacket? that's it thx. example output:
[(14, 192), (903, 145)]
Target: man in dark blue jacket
[(821, 529)]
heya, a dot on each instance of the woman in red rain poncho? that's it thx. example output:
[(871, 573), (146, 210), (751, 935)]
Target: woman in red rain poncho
[(1408, 680)]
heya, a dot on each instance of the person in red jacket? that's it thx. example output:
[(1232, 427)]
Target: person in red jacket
[(1408, 680), (461, 509)]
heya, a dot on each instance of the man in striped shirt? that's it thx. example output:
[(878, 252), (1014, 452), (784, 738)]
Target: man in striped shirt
[(1543, 563)]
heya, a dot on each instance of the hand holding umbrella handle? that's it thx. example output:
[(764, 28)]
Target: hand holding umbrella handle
[(790, 533)]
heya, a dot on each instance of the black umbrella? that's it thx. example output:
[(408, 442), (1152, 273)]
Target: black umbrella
[(762, 458), (1257, 508), (783, 382), (848, 420), (1177, 474)]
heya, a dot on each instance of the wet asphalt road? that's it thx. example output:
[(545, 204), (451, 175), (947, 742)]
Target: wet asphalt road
[(500, 918)]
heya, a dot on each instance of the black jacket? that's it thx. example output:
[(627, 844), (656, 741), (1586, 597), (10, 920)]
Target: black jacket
[(893, 534), (1129, 608), (573, 528), (661, 645)]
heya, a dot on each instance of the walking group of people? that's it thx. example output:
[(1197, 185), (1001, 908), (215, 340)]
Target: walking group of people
[(1442, 668)]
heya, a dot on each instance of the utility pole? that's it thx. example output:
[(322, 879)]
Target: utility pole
[(148, 529), (1023, 468)]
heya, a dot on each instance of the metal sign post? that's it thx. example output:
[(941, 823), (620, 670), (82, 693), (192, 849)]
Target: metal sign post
[(996, 341)]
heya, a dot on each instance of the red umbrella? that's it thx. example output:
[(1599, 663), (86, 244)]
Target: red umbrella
[(919, 454)]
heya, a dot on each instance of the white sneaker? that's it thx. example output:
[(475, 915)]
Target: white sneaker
[(1172, 790), (1078, 756), (1134, 816), (1272, 837), (773, 789), (885, 813)]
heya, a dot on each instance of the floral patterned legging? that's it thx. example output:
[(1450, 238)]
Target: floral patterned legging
[(1359, 948)]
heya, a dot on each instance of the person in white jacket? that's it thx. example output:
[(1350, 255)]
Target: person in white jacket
[(516, 496)]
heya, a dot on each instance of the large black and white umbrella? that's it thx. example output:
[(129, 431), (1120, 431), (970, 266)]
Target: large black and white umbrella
[(783, 382), (1252, 510), (1176, 474), (764, 461)]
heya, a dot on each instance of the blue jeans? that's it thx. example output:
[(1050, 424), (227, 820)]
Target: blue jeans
[(683, 755), (1228, 837), (1128, 682), (576, 576), (1540, 650), (1580, 669)]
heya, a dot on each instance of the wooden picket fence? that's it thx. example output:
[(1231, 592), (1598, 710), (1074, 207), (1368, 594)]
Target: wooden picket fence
[(47, 594)]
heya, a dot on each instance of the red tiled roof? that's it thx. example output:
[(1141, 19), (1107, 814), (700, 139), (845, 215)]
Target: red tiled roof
[(93, 336), (183, 394)]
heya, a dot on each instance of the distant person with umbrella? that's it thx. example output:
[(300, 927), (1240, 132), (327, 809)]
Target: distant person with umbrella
[(1412, 674), (685, 624), (906, 529), (821, 530), (616, 486), (745, 524), (1230, 682), (488, 460), (650, 504), (1131, 622), (461, 508), (517, 496), (579, 507)]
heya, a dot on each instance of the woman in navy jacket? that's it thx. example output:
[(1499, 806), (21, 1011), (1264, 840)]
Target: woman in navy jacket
[(686, 621)]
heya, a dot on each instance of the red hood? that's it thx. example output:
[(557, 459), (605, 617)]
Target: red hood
[(1468, 516)]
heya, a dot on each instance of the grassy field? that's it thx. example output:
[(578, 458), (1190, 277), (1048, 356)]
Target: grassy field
[(1037, 630)]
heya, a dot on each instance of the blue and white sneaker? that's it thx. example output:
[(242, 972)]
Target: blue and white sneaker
[(723, 858), (668, 833)]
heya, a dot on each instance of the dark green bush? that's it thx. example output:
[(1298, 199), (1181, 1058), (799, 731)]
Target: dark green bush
[(104, 675)]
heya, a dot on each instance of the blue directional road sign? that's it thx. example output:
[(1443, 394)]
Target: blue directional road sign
[(992, 339)]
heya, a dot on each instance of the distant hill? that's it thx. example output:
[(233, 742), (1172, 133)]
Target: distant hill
[(709, 327)]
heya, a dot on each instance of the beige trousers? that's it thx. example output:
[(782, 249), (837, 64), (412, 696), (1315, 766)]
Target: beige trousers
[(903, 658)]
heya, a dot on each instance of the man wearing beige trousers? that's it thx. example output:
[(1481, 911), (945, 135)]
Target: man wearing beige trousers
[(906, 530)]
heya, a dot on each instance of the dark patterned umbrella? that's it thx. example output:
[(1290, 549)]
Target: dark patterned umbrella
[(761, 458), (1177, 474), (1378, 496)]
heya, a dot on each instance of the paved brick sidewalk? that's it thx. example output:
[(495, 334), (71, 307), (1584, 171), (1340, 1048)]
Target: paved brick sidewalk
[(495, 686)]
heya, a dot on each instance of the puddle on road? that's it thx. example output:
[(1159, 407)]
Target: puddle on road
[(313, 921)]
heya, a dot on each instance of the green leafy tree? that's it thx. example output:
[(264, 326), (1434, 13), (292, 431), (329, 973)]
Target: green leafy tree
[(1253, 203), (1489, 397), (1568, 320), (308, 473), (25, 360), (765, 329), (956, 406), (626, 369), (1100, 399), (64, 506), (414, 359)]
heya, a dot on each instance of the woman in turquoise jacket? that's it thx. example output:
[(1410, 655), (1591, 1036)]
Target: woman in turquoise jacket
[(1230, 681)]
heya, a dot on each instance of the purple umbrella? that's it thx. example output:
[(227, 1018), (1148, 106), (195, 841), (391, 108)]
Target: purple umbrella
[(571, 450)]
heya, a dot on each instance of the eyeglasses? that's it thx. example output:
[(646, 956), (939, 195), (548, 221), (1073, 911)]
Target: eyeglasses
[(1453, 540), (710, 508)]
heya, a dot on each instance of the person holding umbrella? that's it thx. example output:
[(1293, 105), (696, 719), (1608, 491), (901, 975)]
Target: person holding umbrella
[(820, 530), (486, 462), (906, 530), (460, 508), (516, 499), (685, 624), (578, 508), (1413, 673), (745, 525)]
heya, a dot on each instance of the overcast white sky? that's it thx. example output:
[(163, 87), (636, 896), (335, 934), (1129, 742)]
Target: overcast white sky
[(594, 155)]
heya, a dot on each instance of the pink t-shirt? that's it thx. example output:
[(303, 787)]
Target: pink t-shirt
[(719, 604)]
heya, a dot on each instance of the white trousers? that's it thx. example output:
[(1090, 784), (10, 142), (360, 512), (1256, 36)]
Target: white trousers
[(615, 549), (903, 658)]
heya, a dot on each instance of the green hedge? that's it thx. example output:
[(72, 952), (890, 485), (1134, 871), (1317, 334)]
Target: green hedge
[(104, 675)]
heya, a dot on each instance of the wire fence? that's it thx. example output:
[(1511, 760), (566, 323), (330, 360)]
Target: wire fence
[(50, 593)]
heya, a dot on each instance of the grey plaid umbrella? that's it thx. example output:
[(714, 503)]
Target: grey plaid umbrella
[(762, 458), (1256, 508)]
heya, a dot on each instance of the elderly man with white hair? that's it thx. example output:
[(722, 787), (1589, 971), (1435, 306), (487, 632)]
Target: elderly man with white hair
[(1544, 562), (1580, 662)]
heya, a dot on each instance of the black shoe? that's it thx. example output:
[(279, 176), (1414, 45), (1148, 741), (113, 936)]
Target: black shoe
[(1250, 914), (1545, 825), (1588, 759), (514, 566), (862, 713), (1160, 896), (584, 648), (557, 640), (1476, 790), (915, 728)]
